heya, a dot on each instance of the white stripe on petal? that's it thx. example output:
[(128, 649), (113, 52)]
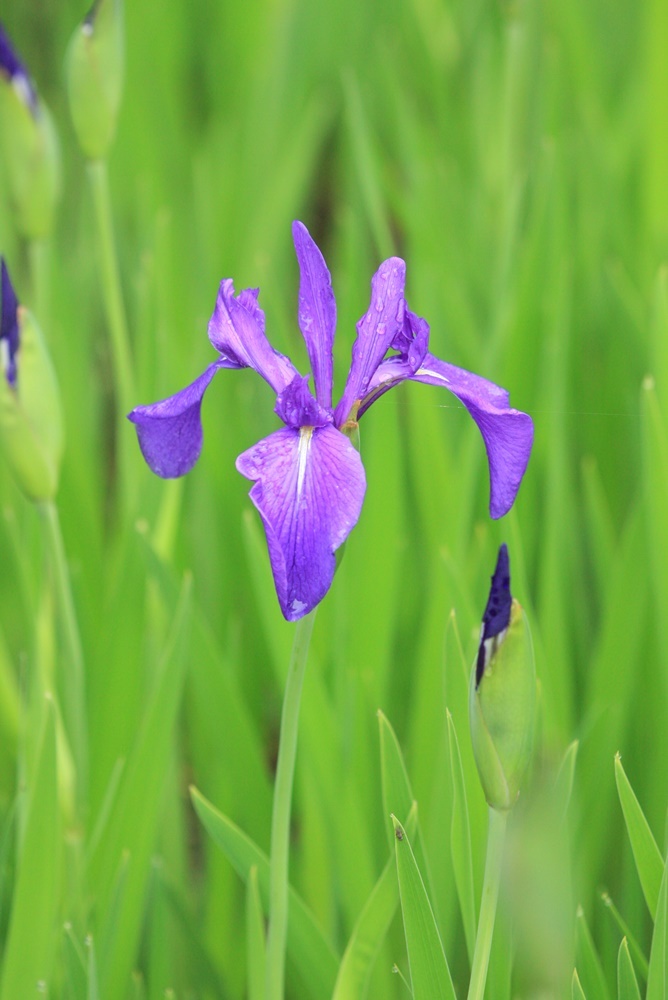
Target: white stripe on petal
[(305, 435)]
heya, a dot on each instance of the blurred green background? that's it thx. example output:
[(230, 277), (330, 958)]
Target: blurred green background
[(516, 155)]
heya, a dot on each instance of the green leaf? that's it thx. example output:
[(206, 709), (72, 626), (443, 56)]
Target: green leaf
[(460, 841), (577, 993), (398, 798), (564, 783), (657, 980), (589, 964), (311, 953), (352, 982), (28, 954), (255, 937), (627, 984), (397, 792), (646, 854), (430, 975), (119, 869), (632, 944)]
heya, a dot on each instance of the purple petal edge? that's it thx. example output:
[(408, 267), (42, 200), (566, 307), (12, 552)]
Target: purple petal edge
[(376, 331), (507, 433), (170, 431), (309, 485)]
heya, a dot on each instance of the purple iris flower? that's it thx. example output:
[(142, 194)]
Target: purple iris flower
[(9, 325), (309, 481), (12, 67)]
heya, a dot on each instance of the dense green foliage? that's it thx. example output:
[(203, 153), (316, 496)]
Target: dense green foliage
[(516, 155)]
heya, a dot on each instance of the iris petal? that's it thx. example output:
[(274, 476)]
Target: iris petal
[(317, 311), (412, 342), (170, 432), (309, 487), (376, 331), (507, 433), (236, 329)]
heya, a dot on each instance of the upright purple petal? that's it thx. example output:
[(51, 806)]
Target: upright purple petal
[(412, 342), (309, 488), (376, 331), (170, 432), (507, 433), (317, 311), (236, 329), (9, 324)]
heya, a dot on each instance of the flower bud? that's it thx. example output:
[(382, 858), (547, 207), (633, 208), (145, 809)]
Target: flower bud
[(30, 416), (503, 693), (30, 147), (95, 60)]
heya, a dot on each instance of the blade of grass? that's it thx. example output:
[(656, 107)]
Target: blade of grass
[(29, 951), (627, 984), (657, 979), (352, 982), (460, 841), (255, 937), (307, 947), (589, 963), (646, 854), (430, 975)]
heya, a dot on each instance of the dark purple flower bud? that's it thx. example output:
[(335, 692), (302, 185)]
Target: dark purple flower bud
[(497, 612), (12, 67), (9, 326)]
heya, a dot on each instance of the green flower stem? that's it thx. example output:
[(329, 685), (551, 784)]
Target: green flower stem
[(280, 821), (115, 310), (72, 678), (490, 895)]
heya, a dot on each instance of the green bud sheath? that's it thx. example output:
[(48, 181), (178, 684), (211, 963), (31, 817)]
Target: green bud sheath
[(32, 161), (95, 65), (31, 429), (502, 711)]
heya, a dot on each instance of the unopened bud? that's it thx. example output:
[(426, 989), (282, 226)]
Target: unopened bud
[(503, 693), (30, 416), (95, 63), (30, 146)]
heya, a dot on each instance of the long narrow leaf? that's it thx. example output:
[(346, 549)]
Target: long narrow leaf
[(307, 947), (29, 950), (657, 980), (646, 854), (352, 982), (627, 984), (430, 975)]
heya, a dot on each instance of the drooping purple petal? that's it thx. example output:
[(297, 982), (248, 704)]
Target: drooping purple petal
[(412, 342), (496, 618), (170, 431), (376, 331), (507, 433), (297, 408), (309, 488), (15, 71), (9, 325), (236, 329), (317, 311)]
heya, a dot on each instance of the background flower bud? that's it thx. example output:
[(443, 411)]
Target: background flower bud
[(95, 61), (31, 431), (502, 694), (29, 147)]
